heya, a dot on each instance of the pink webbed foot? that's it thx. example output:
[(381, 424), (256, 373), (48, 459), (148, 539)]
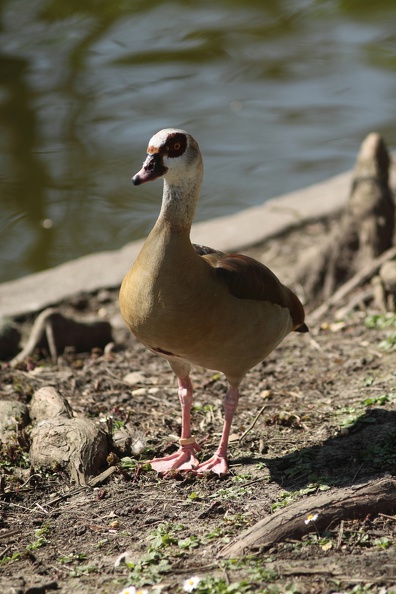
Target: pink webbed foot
[(217, 464), (183, 459)]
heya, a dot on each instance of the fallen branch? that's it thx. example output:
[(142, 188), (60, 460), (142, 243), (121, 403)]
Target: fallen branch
[(290, 523)]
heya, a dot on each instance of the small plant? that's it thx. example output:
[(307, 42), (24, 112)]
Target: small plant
[(234, 492), (378, 400), (350, 416), (191, 542), (385, 321), (255, 569), (261, 466), (83, 570), (15, 557), (383, 542), (213, 585), (41, 539), (381, 321), (216, 533), (389, 342), (287, 497), (73, 557), (164, 536), (149, 568), (322, 540), (128, 463), (284, 499), (194, 496)]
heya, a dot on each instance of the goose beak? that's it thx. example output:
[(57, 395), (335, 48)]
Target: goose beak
[(153, 168)]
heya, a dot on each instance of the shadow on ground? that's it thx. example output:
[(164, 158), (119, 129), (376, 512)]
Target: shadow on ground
[(367, 449)]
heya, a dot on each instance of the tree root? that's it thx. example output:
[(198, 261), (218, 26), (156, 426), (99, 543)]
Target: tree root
[(53, 332), (364, 231), (360, 278), (315, 514)]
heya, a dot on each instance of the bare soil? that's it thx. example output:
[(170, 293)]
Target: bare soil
[(325, 412)]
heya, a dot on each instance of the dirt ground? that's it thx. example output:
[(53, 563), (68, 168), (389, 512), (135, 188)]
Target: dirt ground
[(325, 410)]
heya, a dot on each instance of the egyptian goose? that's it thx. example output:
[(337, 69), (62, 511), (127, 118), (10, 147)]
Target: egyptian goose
[(194, 305)]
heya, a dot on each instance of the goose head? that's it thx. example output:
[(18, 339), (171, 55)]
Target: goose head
[(172, 154)]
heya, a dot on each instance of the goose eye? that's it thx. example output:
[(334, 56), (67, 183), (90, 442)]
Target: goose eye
[(176, 145)]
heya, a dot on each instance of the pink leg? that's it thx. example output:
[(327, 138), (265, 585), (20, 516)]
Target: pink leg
[(184, 458), (218, 462)]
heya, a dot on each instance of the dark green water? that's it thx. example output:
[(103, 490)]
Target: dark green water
[(279, 94)]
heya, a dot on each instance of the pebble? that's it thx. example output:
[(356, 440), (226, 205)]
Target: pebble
[(134, 377), (139, 392)]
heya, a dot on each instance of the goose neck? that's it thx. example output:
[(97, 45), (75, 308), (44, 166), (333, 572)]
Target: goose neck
[(179, 202)]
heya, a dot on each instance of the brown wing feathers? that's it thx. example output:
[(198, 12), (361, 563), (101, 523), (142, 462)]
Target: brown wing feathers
[(248, 279)]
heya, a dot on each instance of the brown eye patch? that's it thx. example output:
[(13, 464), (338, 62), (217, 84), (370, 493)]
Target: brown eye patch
[(176, 145)]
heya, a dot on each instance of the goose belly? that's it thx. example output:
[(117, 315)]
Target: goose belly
[(235, 345), (230, 344)]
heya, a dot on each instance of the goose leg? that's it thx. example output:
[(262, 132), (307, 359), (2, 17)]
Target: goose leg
[(218, 462), (184, 458)]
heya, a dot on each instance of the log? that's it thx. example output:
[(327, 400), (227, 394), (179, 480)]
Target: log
[(353, 502), (76, 445)]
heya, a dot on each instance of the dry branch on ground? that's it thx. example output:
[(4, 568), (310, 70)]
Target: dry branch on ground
[(294, 521)]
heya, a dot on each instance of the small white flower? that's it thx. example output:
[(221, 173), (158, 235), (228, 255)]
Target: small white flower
[(311, 518), (190, 584)]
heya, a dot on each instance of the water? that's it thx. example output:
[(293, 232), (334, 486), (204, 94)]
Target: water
[(279, 95)]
